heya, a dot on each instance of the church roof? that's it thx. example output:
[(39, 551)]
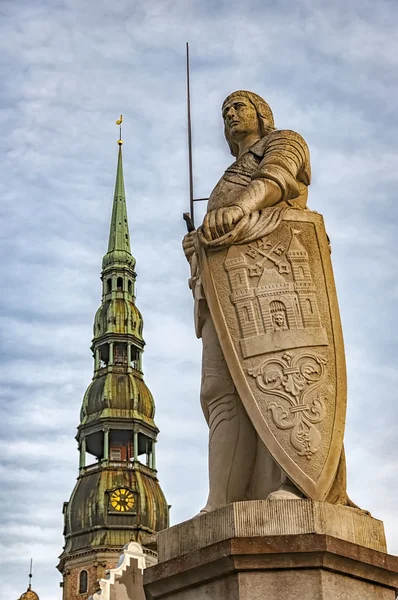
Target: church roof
[(271, 277), (295, 245), (88, 510), (119, 250), (235, 253), (118, 396)]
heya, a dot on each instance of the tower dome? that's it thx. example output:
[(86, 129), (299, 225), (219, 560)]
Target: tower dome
[(29, 595), (118, 395)]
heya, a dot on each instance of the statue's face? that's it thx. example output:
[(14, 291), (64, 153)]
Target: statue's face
[(279, 320), (240, 118)]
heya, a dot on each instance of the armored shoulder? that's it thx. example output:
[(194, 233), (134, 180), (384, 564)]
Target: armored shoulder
[(290, 144), (285, 160)]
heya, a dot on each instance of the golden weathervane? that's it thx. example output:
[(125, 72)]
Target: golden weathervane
[(119, 122)]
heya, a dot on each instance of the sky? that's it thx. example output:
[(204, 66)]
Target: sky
[(68, 69)]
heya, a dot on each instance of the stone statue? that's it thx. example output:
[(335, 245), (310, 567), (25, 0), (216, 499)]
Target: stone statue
[(273, 370)]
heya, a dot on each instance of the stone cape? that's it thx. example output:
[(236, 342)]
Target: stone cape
[(274, 306)]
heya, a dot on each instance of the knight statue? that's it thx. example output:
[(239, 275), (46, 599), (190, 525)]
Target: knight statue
[(273, 386)]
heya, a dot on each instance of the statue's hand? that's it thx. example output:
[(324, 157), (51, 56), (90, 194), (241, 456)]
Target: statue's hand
[(220, 221), (188, 246)]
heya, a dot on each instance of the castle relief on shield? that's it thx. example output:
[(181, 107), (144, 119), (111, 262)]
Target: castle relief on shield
[(276, 307), (274, 296)]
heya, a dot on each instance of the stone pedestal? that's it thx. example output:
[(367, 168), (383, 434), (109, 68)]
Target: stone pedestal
[(274, 550)]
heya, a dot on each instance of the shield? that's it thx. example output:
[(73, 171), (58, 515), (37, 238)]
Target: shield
[(275, 310)]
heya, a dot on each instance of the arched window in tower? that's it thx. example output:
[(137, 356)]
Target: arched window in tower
[(119, 284), (310, 308), (104, 355), (108, 285), (246, 314), (238, 279), (148, 452), (278, 315), (130, 286), (135, 358), (83, 582)]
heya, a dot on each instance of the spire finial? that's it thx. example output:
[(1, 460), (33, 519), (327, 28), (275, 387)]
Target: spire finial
[(119, 122), (119, 238), (30, 574)]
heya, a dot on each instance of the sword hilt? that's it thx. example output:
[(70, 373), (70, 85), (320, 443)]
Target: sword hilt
[(188, 220)]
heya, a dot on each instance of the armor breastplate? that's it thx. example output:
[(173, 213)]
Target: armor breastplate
[(235, 178)]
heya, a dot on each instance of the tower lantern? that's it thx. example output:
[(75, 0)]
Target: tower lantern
[(117, 497)]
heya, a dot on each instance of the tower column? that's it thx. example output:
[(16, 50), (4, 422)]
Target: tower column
[(82, 449), (154, 455), (106, 444), (96, 359), (135, 441), (111, 353), (147, 453)]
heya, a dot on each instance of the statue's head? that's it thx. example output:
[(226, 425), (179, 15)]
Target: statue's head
[(279, 320), (245, 110)]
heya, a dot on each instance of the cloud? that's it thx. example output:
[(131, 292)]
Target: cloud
[(68, 69)]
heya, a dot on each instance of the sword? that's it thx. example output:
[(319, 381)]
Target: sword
[(189, 216)]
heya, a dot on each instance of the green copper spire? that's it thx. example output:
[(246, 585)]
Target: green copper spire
[(119, 232), (117, 497), (119, 239)]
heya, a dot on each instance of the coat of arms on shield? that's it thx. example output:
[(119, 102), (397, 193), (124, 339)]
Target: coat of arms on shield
[(274, 305)]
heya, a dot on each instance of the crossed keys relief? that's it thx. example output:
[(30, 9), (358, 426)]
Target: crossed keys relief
[(296, 380), (264, 251)]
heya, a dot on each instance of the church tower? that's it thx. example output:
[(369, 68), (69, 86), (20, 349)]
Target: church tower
[(117, 497)]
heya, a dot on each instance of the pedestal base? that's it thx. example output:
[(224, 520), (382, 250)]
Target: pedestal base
[(248, 563)]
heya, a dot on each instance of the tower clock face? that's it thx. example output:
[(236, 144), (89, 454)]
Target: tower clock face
[(122, 500)]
